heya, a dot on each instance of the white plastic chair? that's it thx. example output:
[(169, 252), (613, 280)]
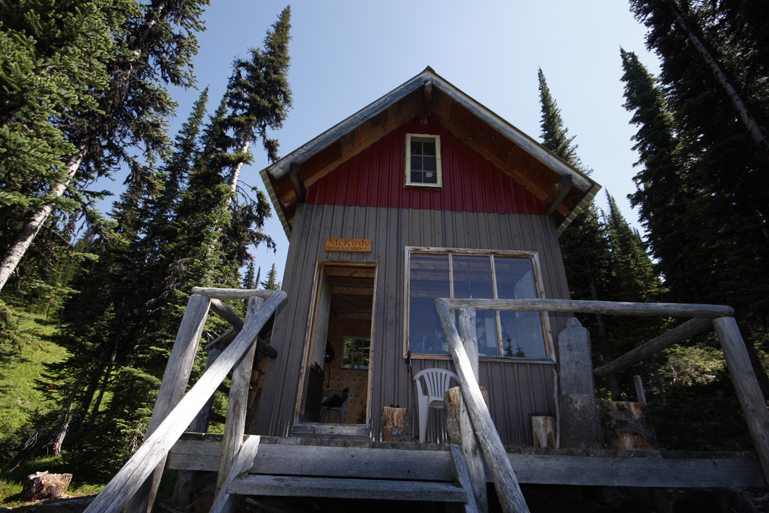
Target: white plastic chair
[(436, 382)]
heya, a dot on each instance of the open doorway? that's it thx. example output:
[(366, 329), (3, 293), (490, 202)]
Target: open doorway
[(337, 376)]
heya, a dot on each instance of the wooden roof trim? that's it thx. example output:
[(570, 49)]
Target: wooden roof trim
[(524, 149), (276, 202), (280, 168), (579, 208), (519, 138)]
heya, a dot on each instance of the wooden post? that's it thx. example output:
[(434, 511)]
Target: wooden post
[(508, 490), (183, 488), (580, 422), (543, 430), (236, 409), (471, 451), (155, 448), (639, 389), (462, 477), (243, 461), (746, 386), (172, 389)]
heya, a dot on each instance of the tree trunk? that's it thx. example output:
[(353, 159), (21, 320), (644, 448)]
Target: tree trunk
[(739, 106), (58, 438), (236, 175), (28, 233)]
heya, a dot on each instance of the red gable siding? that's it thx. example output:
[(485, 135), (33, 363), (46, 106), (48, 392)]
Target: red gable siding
[(375, 178)]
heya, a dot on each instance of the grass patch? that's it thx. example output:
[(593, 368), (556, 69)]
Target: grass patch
[(22, 375), (11, 482)]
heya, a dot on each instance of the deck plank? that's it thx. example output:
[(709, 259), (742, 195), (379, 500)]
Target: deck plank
[(289, 486), (557, 466)]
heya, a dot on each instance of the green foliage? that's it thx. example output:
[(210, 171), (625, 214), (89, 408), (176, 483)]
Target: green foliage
[(604, 258), (179, 224), (703, 182), (271, 282), (701, 415)]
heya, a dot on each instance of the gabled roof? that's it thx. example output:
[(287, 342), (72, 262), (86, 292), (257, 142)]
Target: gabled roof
[(564, 190)]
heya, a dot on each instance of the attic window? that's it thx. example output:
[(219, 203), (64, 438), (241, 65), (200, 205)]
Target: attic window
[(423, 160)]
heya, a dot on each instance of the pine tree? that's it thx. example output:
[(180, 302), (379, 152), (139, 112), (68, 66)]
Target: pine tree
[(251, 278), (271, 282), (604, 258), (584, 244), (707, 200), (176, 226), (151, 45), (53, 56)]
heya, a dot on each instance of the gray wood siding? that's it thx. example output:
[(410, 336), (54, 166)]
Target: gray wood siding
[(515, 389)]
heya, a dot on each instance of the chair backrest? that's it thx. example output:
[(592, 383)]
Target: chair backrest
[(436, 381), (328, 394)]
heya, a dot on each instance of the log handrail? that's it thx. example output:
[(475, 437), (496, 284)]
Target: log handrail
[(508, 490), (594, 307), (678, 334), (129, 478), (217, 293), (722, 319)]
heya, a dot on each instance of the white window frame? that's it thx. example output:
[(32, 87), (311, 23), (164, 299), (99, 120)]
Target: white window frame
[(437, 140), (544, 319)]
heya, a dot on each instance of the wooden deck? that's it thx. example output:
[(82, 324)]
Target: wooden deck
[(390, 461)]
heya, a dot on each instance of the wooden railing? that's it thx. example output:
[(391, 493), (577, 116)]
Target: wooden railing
[(705, 316), (174, 410)]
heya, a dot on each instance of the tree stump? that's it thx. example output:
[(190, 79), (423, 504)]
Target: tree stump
[(396, 425), (543, 430), (580, 421), (42, 485), (626, 425), (451, 400)]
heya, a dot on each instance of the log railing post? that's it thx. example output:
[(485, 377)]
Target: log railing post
[(508, 490), (155, 448), (172, 389), (471, 450), (236, 408), (747, 387)]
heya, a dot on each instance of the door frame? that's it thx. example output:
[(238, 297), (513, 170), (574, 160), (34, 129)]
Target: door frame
[(318, 428)]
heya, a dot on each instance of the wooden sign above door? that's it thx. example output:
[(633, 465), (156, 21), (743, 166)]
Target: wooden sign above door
[(352, 245)]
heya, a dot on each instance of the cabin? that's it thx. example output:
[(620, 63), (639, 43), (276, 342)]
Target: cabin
[(423, 235), (424, 193)]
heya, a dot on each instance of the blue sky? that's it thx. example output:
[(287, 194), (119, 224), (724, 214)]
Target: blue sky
[(346, 54)]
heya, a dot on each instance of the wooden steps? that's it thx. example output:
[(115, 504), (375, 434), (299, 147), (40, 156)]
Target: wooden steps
[(375, 489)]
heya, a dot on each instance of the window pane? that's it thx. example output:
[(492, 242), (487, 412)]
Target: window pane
[(356, 352), (428, 163), (416, 147), (430, 177), (429, 275), (428, 148), (521, 331), (416, 177), (416, 163), (472, 279)]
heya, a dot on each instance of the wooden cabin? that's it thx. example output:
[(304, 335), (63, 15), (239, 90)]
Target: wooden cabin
[(424, 193)]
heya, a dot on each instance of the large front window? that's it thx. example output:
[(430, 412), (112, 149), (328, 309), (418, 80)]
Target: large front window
[(475, 274)]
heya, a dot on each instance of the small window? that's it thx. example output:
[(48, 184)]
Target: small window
[(423, 160), (356, 352)]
